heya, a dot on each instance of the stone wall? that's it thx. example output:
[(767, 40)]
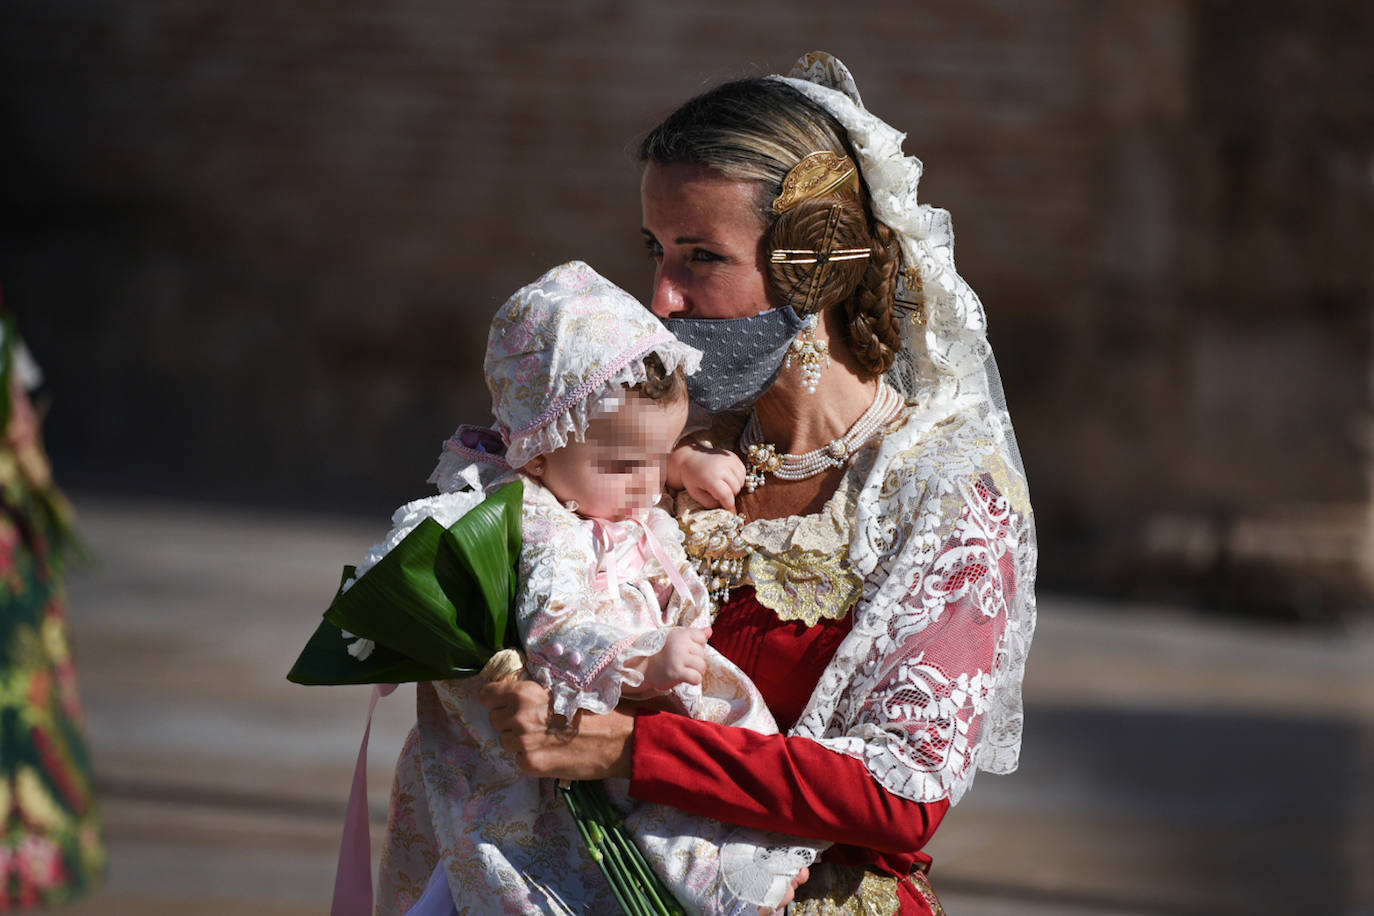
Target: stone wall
[(256, 245)]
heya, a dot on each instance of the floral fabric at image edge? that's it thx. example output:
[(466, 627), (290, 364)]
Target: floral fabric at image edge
[(50, 847)]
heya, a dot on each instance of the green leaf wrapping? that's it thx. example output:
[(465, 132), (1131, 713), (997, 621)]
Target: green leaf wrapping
[(437, 605)]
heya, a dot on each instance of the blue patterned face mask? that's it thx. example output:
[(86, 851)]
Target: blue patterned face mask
[(741, 356)]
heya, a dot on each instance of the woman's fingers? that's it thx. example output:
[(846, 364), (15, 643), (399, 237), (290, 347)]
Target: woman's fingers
[(591, 747), (519, 712), (509, 697), (797, 882)]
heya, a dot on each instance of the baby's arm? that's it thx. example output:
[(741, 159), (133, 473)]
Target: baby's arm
[(712, 476), (682, 660)]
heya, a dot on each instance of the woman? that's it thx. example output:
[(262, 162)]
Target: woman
[(879, 577), (50, 844)]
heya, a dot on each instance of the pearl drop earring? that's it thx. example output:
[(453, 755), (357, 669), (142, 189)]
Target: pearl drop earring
[(812, 355)]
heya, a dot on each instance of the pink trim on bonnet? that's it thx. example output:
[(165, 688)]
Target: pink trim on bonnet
[(561, 406)]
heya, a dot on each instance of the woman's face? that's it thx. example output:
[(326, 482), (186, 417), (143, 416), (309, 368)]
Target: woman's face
[(705, 234)]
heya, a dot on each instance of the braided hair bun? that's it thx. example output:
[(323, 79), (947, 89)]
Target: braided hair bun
[(872, 331), (865, 286), (809, 280)]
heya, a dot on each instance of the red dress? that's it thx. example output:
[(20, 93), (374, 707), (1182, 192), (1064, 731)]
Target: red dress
[(788, 784)]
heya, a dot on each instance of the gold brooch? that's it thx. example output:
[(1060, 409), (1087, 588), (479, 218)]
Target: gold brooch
[(818, 174), (760, 459)]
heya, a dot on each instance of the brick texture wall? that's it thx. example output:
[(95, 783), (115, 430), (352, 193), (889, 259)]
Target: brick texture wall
[(256, 245)]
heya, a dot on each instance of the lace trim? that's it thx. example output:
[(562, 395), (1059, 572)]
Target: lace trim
[(760, 874), (445, 509), (598, 687), (568, 424), (456, 472)]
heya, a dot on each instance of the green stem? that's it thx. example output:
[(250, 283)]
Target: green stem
[(594, 839), (587, 828), (638, 890), (647, 879), (622, 869), (581, 827), (592, 796)]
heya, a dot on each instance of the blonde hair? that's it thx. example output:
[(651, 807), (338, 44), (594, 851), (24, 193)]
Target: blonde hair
[(757, 130)]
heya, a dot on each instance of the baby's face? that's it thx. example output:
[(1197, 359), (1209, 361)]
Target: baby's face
[(617, 470)]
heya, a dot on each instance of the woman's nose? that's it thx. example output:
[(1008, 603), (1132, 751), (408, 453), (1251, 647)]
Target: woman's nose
[(668, 301)]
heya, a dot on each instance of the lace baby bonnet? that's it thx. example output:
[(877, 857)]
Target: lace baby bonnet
[(971, 534), (558, 354)]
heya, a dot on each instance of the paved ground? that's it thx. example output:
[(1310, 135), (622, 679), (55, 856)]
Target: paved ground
[(1172, 765)]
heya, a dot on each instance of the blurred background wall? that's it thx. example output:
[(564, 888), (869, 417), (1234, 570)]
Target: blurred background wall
[(255, 246)]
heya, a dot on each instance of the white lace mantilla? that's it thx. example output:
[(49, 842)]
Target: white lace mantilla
[(926, 688)]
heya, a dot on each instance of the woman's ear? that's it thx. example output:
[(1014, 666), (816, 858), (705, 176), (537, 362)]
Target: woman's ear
[(534, 467)]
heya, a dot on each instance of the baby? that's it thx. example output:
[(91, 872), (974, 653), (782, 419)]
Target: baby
[(589, 395)]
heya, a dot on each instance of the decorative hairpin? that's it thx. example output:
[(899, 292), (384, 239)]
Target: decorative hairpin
[(817, 174), (914, 308), (811, 256)]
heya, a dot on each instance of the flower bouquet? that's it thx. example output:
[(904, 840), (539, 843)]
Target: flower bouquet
[(435, 602)]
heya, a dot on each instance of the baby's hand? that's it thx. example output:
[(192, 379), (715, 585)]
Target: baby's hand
[(711, 475), (682, 660)]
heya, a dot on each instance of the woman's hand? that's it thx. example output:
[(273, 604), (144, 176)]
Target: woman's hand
[(791, 892), (590, 747)]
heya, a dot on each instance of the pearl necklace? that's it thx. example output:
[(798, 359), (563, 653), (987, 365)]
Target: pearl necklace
[(762, 458)]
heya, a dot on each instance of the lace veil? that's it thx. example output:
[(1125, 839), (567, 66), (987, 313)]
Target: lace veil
[(926, 689), (945, 353)]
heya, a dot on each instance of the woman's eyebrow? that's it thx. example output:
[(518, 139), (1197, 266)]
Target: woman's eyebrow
[(681, 239)]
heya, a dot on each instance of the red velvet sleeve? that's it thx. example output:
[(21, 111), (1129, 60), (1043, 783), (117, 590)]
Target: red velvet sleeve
[(772, 782)]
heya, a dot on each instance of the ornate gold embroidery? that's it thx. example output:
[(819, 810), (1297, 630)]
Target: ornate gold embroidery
[(919, 881), (805, 585), (838, 890), (1011, 484), (835, 890)]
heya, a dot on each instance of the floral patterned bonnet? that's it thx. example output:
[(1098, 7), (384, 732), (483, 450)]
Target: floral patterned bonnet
[(559, 352)]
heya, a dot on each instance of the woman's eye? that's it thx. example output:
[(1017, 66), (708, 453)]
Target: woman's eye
[(701, 254), (653, 248)]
